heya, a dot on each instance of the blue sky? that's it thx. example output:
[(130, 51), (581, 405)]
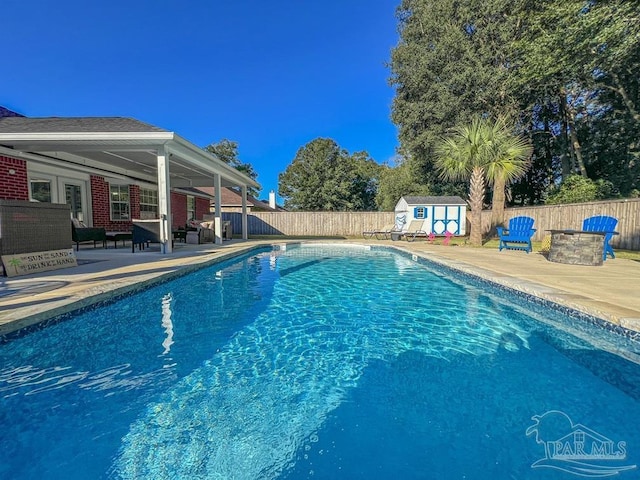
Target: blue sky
[(271, 75)]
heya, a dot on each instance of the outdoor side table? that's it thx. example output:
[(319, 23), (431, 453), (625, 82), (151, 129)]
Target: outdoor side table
[(180, 235), (116, 236)]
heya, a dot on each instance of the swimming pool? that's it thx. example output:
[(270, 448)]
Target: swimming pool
[(319, 362)]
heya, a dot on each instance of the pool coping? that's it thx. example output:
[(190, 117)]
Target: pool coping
[(112, 291), (535, 292), (530, 291), (101, 292)]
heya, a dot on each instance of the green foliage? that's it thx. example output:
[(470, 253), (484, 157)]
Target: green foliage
[(451, 62), (227, 151), (325, 177), (578, 189), (478, 151), (568, 71), (396, 182)]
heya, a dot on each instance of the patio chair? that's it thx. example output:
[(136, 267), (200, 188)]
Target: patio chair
[(414, 230), (145, 232), (602, 223), (518, 235), (200, 232), (81, 233)]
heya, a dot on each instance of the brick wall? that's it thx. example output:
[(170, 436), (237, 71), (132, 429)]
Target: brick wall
[(100, 198), (100, 201), (134, 201), (13, 186), (178, 209), (202, 207)]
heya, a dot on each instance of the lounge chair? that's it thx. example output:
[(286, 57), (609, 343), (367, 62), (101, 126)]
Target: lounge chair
[(518, 235), (414, 230), (602, 223), (383, 234)]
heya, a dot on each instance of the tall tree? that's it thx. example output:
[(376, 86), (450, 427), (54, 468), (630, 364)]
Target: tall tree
[(397, 181), (479, 151), (508, 160), (583, 56), (325, 177), (452, 61), (227, 151)]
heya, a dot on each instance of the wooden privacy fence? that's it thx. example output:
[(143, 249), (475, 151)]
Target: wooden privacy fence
[(570, 216), (319, 224), (352, 224)]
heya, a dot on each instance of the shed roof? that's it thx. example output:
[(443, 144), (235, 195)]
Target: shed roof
[(442, 200)]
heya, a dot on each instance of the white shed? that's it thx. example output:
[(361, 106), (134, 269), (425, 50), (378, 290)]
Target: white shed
[(439, 214)]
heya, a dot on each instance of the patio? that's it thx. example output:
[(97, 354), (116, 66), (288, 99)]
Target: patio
[(608, 291)]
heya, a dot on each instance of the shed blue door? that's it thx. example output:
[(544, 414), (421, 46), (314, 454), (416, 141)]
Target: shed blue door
[(446, 218)]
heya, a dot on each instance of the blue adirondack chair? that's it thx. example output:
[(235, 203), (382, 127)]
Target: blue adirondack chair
[(602, 223), (518, 235)]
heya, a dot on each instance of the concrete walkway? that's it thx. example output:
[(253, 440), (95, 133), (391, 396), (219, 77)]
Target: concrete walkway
[(610, 292)]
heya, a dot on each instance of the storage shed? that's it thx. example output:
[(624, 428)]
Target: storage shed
[(439, 214)]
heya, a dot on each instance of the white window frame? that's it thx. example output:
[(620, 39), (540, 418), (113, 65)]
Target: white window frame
[(146, 200), (191, 213), (53, 184), (121, 189)]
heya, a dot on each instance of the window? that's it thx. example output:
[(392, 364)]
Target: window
[(191, 207), (148, 204), (420, 212), (119, 202), (40, 190)]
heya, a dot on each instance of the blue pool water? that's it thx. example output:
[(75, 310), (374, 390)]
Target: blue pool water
[(319, 362)]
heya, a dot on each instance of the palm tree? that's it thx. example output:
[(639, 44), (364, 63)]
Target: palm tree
[(482, 151), (511, 160)]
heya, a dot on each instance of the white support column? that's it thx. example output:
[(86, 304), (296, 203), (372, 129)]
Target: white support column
[(217, 216), (164, 200), (245, 233)]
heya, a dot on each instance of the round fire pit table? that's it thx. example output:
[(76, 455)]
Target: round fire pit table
[(576, 247)]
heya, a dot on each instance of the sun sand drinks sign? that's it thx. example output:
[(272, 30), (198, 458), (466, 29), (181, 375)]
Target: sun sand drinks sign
[(34, 262)]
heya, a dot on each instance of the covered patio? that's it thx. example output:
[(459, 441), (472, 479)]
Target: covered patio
[(125, 149)]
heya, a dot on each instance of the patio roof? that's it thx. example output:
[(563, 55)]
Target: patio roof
[(118, 146), (128, 149)]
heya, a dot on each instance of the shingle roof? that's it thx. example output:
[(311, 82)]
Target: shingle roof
[(232, 198), (445, 200), (74, 124), (5, 112)]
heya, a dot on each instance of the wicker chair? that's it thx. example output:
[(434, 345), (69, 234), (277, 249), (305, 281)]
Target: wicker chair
[(80, 234)]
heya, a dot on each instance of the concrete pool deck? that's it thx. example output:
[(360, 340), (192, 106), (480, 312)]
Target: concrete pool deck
[(610, 291)]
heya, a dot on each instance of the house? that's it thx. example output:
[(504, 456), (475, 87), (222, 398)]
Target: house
[(110, 170), (439, 214), (231, 201)]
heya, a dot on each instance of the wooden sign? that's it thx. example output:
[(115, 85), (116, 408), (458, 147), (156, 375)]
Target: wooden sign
[(35, 262)]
